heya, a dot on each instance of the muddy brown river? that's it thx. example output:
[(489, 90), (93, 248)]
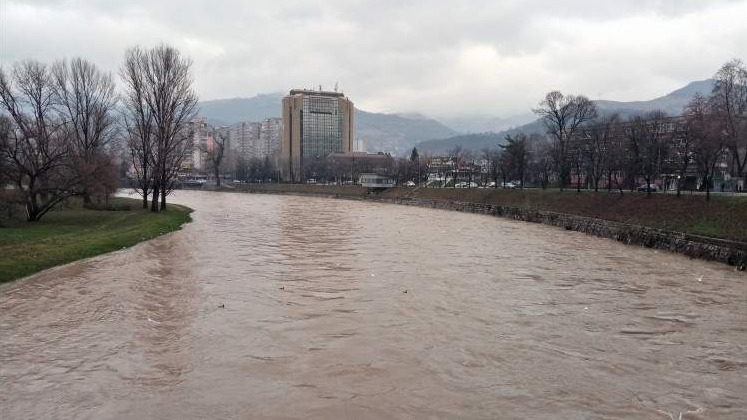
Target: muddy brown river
[(345, 309)]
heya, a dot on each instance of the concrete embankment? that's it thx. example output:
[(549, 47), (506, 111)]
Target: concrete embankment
[(502, 204)]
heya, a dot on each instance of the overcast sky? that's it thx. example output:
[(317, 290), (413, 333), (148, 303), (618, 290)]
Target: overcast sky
[(436, 57)]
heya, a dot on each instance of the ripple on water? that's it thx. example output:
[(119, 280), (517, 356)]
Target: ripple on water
[(294, 307)]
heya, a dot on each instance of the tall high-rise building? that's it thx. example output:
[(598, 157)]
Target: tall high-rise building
[(315, 124), (269, 136), (256, 140), (195, 158), (245, 139)]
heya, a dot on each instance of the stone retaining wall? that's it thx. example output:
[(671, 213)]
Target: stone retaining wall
[(733, 253)]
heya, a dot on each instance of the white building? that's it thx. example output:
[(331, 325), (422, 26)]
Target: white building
[(250, 140), (195, 158)]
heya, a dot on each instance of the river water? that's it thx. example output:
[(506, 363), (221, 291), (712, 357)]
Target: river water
[(345, 309)]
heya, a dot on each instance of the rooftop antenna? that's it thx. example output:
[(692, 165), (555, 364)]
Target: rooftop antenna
[(336, 86), (320, 88)]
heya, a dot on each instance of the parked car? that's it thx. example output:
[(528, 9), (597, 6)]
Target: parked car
[(409, 184), (647, 188), (510, 185), (311, 181), (466, 185)]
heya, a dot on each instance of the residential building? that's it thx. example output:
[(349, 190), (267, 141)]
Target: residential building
[(195, 158), (245, 139), (250, 140), (269, 137)]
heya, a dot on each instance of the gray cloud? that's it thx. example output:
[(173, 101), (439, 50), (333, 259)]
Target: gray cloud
[(437, 57)]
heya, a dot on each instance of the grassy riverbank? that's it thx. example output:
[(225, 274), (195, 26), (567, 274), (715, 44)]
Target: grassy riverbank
[(724, 217), (72, 233)]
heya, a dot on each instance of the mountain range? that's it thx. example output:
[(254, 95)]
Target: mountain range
[(399, 133), (392, 133), (672, 103)]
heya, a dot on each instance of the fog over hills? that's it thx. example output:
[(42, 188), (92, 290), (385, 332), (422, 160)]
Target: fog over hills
[(394, 133), (399, 133), (467, 124), (673, 104), (233, 110)]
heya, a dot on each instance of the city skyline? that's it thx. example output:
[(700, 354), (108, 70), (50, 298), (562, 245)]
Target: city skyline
[(492, 58)]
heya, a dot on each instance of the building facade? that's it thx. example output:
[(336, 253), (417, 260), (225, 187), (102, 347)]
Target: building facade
[(245, 139), (195, 158), (315, 124), (269, 137), (260, 140)]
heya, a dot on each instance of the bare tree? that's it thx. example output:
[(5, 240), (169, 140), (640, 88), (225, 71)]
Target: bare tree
[(457, 153), (163, 102), (576, 158), (729, 103), (563, 116), (216, 153), (492, 157), (8, 197), (616, 160), (540, 160), (650, 144), (515, 151), (656, 148), (37, 145), (635, 135), (708, 139), (682, 146), (138, 120), (505, 167), (85, 99), (598, 148)]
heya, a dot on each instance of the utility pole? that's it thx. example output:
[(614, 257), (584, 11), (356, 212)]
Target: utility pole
[(419, 170)]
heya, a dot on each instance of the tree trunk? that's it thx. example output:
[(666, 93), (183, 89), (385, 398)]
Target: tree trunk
[(32, 213), (648, 188), (163, 199), (154, 201), (679, 187)]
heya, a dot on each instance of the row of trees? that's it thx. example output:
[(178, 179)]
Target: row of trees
[(57, 133), (585, 147), (594, 148), (64, 128), (159, 103)]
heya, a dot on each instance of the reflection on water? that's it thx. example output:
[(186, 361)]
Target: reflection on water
[(340, 309)]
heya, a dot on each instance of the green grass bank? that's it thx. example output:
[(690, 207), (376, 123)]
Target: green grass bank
[(72, 233)]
